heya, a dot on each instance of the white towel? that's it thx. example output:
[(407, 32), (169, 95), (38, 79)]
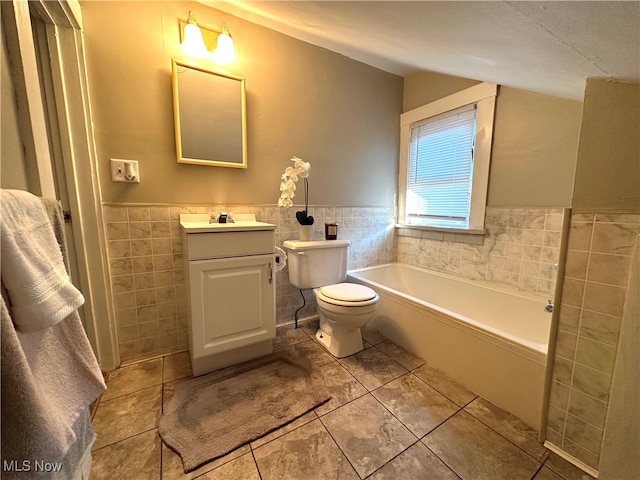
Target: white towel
[(33, 271)]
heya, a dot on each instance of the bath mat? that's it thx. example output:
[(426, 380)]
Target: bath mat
[(210, 416)]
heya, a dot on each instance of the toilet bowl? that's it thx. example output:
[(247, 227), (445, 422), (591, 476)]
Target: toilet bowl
[(344, 308)]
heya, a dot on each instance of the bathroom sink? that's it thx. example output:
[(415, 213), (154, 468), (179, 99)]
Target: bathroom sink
[(199, 223)]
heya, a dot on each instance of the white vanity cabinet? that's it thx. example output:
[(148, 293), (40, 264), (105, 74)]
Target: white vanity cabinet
[(230, 292)]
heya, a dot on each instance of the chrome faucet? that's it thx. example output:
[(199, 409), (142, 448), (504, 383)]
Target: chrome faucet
[(549, 306)]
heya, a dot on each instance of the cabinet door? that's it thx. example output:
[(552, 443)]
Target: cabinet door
[(232, 301)]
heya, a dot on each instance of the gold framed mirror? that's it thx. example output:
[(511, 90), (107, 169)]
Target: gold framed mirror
[(209, 111)]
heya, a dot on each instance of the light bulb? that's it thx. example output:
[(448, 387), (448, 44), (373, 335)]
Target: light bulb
[(193, 44), (224, 52)]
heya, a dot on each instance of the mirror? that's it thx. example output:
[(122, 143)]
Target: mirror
[(209, 116)]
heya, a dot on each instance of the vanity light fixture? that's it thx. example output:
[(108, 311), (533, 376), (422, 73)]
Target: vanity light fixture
[(199, 42)]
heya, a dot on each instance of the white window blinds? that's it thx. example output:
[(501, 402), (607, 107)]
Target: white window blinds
[(440, 169)]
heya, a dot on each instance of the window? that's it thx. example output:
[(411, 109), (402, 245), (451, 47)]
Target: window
[(445, 153)]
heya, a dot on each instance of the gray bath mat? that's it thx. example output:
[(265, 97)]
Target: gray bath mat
[(212, 415)]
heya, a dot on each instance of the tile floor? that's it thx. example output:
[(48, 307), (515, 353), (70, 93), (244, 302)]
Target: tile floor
[(391, 416)]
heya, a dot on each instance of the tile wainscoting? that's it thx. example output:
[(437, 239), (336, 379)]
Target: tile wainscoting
[(595, 288), (146, 264), (519, 251)]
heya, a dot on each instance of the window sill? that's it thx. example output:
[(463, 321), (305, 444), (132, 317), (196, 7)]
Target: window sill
[(473, 237)]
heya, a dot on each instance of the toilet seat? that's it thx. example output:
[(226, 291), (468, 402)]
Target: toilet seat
[(347, 294)]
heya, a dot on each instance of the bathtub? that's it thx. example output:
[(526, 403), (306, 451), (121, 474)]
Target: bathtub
[(492, 341)]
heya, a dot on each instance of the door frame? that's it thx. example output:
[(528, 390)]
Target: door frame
[(65, 40)]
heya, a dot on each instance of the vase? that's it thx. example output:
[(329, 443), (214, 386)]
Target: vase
[(306, 232)]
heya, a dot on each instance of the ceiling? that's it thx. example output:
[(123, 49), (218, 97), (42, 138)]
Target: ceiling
[(549, 47)]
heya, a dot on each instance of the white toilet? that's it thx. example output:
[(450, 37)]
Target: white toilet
[(343, 307)]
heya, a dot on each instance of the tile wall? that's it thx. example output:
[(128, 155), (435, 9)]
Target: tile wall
[(519, 251), (595, 287), (146, 265)]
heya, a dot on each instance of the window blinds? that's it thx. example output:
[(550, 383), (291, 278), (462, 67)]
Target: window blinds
[(440, 169)]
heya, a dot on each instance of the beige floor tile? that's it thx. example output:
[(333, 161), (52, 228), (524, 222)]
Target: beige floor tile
[(310, 327), (287, 335), (176, 365), (418, 406), (136, 458), (342, 386), (373, 337), (289, 427), (545, 474), (509, 426), (243, 468), (367, 434), (372, 368), (417, 462), (311, 350), (173, 469), (445, 384), (127, 415), (307, 453), (474, 451), (565, 469), (134, 377), (407, 359)]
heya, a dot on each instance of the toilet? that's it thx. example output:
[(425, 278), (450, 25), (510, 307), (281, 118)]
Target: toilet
[(344, 308)]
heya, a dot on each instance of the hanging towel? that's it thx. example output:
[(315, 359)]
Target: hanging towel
[(33, 271), (49, 376)]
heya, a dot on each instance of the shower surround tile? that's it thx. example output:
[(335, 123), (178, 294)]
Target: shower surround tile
[(595, 288), (146, 266), (519, 251)]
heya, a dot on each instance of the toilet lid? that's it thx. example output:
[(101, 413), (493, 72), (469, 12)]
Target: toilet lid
[(348, 292)]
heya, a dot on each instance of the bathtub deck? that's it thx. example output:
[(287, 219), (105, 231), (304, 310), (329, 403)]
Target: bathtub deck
[(390, 416)]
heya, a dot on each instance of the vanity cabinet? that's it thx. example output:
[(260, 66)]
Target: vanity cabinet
[(230, 293)]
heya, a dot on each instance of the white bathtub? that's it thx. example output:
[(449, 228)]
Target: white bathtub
[(492, 341)]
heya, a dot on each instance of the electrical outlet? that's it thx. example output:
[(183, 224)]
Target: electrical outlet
[(125, 171)]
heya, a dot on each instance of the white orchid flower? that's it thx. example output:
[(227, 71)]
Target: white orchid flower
[(300, 169), (292, 173)]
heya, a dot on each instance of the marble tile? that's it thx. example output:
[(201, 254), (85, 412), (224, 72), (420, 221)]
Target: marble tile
[(308, 452), (128, 415), (618, 238), (367, 434), (287, 335), (565, 469), (556, 418), (546, 474), (133, 378), (444, 384), (600, 327), (177, 365), (507, 425), (474, 451), (595, 383), (580, 235), (311, 350), (372, 336), (136, 458), (173, 469), (595, 355), (610, 269), (310, 327), (587, 408), (607, 299), (372, 368), (243, 468), (417, 462), (418, 406), (559, 395), (407, 359), (289, 427), (583, 434), (577, 451), (342, 386)]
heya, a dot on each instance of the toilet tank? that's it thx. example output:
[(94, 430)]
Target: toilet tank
[(316, 263)]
